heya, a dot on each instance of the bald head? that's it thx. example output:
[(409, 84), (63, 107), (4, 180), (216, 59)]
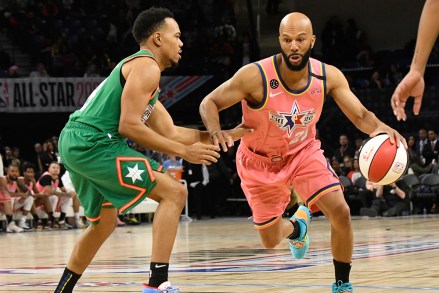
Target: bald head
[(295, 21), (296, 40)]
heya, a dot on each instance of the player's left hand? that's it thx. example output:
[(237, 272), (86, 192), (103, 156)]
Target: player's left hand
[(392, 133), (412, 85), (226, 138)]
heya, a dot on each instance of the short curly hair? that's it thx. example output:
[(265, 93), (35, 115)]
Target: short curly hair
[(148, 21)]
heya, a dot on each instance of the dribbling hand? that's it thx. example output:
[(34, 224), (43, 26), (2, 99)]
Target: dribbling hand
[(412, 85)]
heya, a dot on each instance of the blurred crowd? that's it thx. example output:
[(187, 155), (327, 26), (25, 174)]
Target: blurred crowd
[(87, 38)]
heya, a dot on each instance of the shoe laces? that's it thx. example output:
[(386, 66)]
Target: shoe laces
[(299, 243), (344, 287)]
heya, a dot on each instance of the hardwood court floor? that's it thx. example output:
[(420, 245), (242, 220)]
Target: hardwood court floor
[(225, 255)]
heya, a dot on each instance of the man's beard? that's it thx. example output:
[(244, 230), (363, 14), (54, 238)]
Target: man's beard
[(302, 64)]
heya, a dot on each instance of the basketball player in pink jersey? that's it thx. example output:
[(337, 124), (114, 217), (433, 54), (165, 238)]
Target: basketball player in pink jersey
[(282, 98)]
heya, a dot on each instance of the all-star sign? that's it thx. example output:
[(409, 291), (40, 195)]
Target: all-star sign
[(25, 95)]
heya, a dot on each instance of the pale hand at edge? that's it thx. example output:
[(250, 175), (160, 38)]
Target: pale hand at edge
[(412, 85)]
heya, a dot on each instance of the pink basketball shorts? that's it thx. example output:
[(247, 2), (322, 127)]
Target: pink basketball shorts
[(266, 181)]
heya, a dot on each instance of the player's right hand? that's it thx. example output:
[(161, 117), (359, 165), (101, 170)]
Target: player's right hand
[(200, 153), (412, 85)]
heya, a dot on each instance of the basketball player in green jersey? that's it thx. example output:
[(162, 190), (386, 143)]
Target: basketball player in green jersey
[(107, 174)]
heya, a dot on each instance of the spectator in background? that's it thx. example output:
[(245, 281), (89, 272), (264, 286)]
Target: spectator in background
[(375, 81), (335, 165), (366, 195), (22, 200), (197, 177), (39, 71), (344, 149), (17, 157), (355, 173), (51, 184), (158, 157), (432, 148), (68, 185), (172, 163), (358, 144), (92, 70), (219, 186), (347, 165), (9, 158), (41, 200), (421, 147), (6, 202), (391, 200), (416, 165), (13, 71), (47, 155), (39, 169)]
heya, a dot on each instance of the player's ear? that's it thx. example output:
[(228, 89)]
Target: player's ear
[(313, 40), (157, 39)]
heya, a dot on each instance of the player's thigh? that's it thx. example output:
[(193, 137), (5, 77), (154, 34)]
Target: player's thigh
[(168, 188), (272, 231), (313, 178), (108, 219), (333, 204)]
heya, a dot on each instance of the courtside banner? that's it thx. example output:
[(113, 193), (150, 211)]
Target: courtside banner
[(26, 95)]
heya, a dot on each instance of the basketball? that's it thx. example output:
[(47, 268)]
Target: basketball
[(382, 162)]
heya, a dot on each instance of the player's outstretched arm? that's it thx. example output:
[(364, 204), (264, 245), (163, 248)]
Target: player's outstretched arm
[(243, 85), (351, 106), (161, 131), (412, 85)]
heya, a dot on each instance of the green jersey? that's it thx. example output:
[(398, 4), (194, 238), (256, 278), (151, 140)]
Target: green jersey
[(102, 108)]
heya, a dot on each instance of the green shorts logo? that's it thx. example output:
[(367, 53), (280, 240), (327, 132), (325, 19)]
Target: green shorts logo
[(134, 171)]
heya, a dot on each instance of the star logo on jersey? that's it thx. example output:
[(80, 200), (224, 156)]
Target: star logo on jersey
[(288, 121), (134, 173)]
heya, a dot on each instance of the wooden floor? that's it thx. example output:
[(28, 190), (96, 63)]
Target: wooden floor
[(225, 255)]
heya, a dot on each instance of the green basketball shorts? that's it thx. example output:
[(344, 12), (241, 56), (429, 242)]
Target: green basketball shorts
[(104, 170)]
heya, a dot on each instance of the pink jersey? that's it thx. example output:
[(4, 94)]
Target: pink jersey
[(12, 187), (29, 185), (5, 197), (285, 121), (54, 183), (283, 151)]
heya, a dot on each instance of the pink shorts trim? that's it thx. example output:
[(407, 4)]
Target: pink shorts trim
[(269, 223)]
